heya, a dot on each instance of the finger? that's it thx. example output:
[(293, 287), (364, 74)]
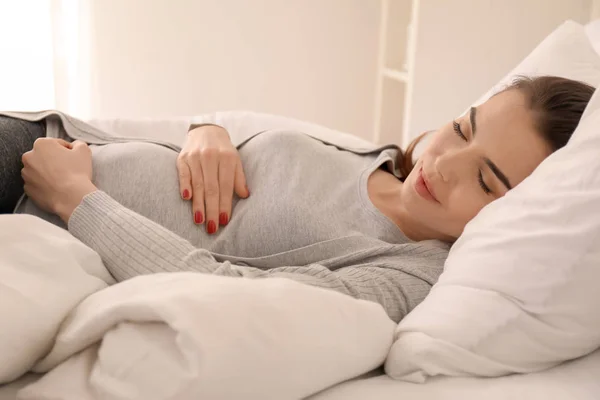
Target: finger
[(185, 179), (64, 143), (41, 142), (25, 158), (197, 191), (79, 145), (226, 177), (241, 185), (210, 169)]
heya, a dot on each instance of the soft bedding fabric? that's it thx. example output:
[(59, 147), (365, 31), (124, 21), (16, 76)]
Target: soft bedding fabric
[(575, 380), (44, 273), (566, 51), (188, 335), (9, 391)]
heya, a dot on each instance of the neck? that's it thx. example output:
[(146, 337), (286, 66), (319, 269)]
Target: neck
[(385, 191)]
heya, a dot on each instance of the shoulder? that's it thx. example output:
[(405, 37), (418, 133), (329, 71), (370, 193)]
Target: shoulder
[(434, 250), (425, 258), (435, 244)]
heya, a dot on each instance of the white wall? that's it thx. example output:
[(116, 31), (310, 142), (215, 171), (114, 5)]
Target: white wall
[(309, 59), (465, 46), (26, 73), (595, 9)]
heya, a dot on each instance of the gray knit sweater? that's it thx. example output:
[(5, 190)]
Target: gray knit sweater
[(309, 218)]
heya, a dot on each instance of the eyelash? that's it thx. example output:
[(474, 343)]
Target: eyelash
[(485, 187), (459, 131)]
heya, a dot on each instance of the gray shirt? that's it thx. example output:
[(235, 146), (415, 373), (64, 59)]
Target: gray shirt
[(309, 218)]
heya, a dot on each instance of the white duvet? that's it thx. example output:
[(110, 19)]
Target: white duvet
[(172, 336)]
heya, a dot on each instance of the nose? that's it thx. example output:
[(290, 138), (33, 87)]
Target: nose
[(453, 163)]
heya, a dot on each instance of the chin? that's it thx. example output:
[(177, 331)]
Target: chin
[(415, 205)]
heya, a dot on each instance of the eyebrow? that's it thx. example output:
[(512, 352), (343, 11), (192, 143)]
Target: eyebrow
[(472, 113), (499, 174)]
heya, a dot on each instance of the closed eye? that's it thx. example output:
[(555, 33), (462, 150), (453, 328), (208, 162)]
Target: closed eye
[(458, 131), (482, 183)]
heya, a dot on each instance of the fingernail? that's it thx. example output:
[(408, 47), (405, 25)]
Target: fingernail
[(198, 217), (223, 219), (211, 227), (247, 190), (186, 194)]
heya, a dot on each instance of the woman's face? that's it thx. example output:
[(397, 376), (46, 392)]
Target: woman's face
[(469, 163)]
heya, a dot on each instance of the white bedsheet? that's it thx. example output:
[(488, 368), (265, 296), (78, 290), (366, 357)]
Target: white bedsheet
[(579, 379), (574, 380)]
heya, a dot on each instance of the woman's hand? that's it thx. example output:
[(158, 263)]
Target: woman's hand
[(58, 175), (210, 169)]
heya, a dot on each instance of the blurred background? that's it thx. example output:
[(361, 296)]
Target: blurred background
[(384, 70)]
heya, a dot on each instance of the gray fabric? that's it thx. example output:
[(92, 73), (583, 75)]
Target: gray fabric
[(16, 138), (309, 218)]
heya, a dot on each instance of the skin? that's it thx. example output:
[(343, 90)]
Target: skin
[(58, 175), (210, 172), (505, 135)]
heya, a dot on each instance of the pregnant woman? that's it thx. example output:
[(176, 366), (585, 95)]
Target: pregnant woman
[(368, 224)]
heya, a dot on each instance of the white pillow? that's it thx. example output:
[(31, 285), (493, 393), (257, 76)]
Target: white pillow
[(566, 52), (593, 33), (44, 273), (521, 287)]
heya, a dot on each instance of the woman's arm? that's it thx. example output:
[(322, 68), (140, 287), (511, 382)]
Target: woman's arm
[(57, 178), (131, 245)]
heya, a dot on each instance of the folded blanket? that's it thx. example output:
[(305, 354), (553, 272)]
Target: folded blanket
[(189, 335)]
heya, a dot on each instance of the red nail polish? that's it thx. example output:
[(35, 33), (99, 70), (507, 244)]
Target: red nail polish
[(223, 219), (198, 217), (211, 227), (186, 194)]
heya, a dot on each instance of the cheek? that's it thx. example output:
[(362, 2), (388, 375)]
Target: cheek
[(465, 204), (438, 142)]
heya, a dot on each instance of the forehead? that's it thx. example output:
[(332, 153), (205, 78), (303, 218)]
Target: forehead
[(506, 134)]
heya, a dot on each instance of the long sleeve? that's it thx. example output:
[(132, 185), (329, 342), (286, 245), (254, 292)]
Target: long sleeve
[(132, 245)]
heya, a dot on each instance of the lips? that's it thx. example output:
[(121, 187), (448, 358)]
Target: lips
[(424, 189)]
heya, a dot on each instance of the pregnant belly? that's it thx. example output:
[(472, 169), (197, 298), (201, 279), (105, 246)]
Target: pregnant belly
[(143, 178)]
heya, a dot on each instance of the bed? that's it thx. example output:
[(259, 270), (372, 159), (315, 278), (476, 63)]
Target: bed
[(576, 379)]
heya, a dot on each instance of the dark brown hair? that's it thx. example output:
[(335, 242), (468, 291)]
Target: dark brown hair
[(556, 103)]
